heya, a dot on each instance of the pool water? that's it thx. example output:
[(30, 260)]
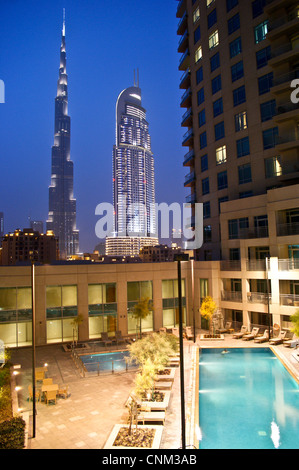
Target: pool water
[(114, 361), (247, 400)]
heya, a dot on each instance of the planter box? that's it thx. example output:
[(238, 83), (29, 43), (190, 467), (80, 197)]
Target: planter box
[(156, 441), (220, 338), (157, 405), (166, 377)]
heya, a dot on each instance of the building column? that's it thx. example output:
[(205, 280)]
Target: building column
[(82, 306), (158, 304), (122, 307)]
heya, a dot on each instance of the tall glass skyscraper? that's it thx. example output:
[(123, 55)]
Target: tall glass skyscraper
[(133, 178), (62, 205)]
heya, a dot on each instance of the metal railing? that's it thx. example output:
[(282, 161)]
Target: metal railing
[(288, 264), (258, 297), (291, 300)]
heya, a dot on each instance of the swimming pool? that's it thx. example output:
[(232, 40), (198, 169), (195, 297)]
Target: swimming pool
[(107, 362), (246, 400)]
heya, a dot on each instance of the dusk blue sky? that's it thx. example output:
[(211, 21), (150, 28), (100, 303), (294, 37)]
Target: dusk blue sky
[(105, 42)]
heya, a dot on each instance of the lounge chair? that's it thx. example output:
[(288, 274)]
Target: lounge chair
[(188, 333), (119, 338), (48, 381), (63, 391), (51, 395), (263, 338), (241, 333), (291, 342), (37, 393), (251, 335), (175, 331), (228, 325), (105, 339), (162, 330), (279, 338)]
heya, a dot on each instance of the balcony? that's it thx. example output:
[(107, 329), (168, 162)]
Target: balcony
[(282, 82), (289, 264), (286, 111), (184, 61), (185, 80), (186, 99), (191, 199), (256, 265), (287, 229), (188, 138), (287, 24), (183, 43), (287, 141), (181, 8), (182, 25), (290, 300), (189, 158), (284, 53), (231, 296), (258, 298), (230, 265), (189, 179), (187, 118), (257, 232)]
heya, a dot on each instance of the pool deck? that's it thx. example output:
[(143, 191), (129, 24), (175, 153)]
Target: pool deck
[(85, 419)]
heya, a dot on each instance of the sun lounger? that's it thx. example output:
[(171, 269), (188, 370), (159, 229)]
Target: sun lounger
[(263, 338), (175, 331), (163, 385), (105, 339), (279, 339), (241, 333), (251, 335), (188, 333), (225, 329), (119, 338), (291, 342)]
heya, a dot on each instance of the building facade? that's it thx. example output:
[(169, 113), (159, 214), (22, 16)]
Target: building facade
[(238, 61), (133, 178), (62, 204), (1, 227)]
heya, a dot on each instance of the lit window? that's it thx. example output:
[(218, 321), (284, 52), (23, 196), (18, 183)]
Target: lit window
[(209, 2), (241, 121), (221, 155), (196, 15), (260, 32), (273, 167), (214, 39), (198, 54)]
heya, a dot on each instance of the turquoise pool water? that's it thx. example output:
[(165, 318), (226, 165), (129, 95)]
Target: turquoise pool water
[(107, 362), (247, 400)]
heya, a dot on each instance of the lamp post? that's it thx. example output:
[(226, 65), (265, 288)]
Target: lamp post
[(33, 343), (181, 257), (268, 295)]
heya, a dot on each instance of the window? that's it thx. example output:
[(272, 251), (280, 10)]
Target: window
[(197, 34), (205, 185), (234, 254), (237, 71), (216, 84), (207, 234), (196, 15), (220, 200), (263, 56), (102, 309), (202, 118), (233, 24), (209, 3), (230, 4), (260, 31), (214, 40), (265, 83), (218, 107), (198, 54), (244, 172), (261, 225), (235, 227), (137, 290), (222, 180), (270, 138), (235, 47), (200, 96), (258, 7), (61, 308), (239, 95), (212, 18), (241, 121), (219, 130), (243, 147), (171, 303), (206, 210), (204, 162), (268, 110), (199, 75), (215, 62), (221, 155), (203, 140), (273, 167)]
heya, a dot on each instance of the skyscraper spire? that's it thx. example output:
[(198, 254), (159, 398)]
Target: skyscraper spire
[(62, 205)]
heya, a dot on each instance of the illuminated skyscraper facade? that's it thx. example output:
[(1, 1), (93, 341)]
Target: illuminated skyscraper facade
[(133, 178), (62, 205)]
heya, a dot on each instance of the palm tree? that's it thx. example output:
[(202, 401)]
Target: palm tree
[(141, 310)]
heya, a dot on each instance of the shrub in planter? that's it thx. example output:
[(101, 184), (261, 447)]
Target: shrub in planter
[(12, 434)]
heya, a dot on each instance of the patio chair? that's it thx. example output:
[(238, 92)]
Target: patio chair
[(225, 329), (37, 393), (263, 338), (105, 338), (241, 333), (48, 381), (279, 339), (251, 335), (63, 391), (119, 338), (188, 333), (51, 396), (175, 331), (162, 330)]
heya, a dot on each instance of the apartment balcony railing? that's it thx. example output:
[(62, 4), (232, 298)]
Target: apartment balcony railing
[(189, 178), (283, 49), (231, 296), (187, 118), (189, 157), (258, 297), (230, 265), (257, 232), (191, 199), (287, 229), (291, 300), (285, 78), (183, 42), (283, 20), (183, 61), (288, 264), (188, 137), (286, 108), (256, 265)]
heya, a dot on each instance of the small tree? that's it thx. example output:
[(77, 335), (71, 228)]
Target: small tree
[(141, 310), (156, 347), (295, 321), (75, 323), (207, 310)]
